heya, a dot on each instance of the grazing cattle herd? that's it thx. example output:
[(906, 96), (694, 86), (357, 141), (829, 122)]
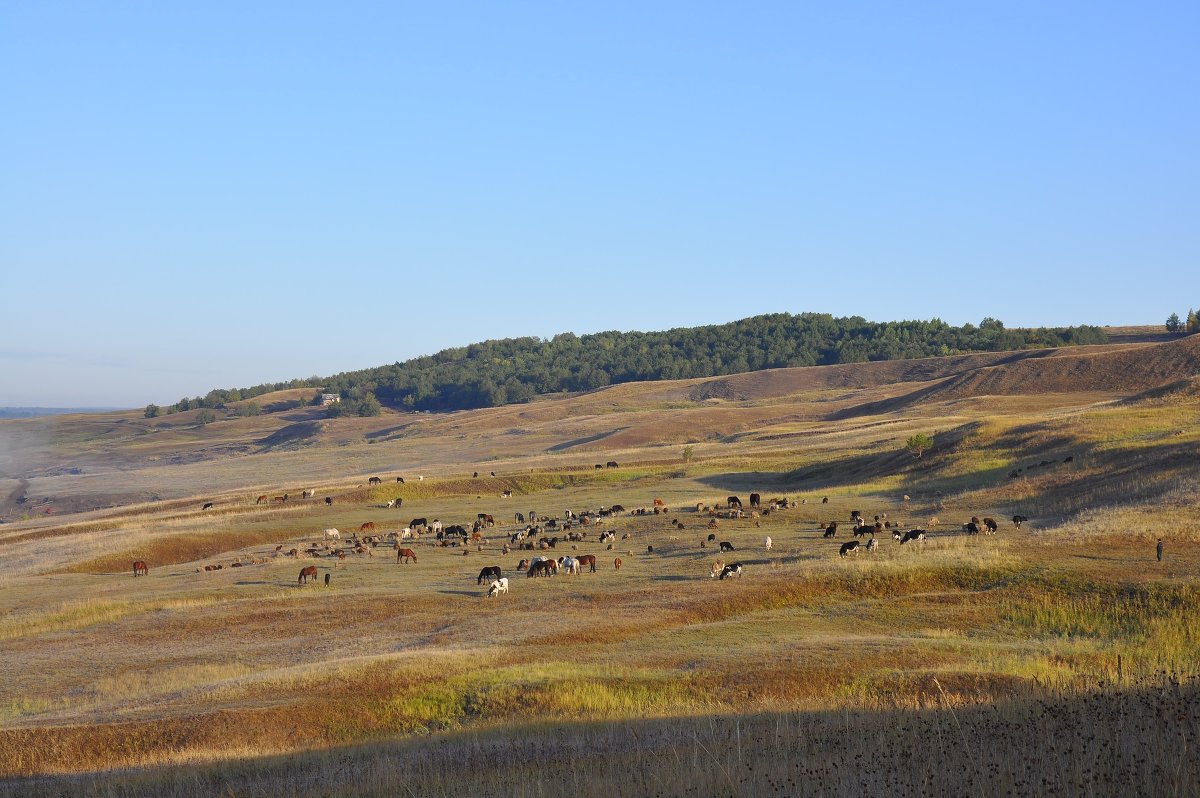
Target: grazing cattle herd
[(536, 531)]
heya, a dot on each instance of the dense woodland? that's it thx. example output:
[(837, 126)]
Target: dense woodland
[(515, 370)]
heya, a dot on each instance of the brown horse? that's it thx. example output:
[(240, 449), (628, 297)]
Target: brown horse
[(141, 569), (306, 573), (261, 499), (588, 560), (367, 527), (402, 555)]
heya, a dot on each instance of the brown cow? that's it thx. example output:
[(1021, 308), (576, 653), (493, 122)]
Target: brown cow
[(402, 555), (306, 573), (617, 563), (367, 527), (588, 560), (141, 569)]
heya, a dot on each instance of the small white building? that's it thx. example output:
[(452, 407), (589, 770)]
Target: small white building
[(329, 398)]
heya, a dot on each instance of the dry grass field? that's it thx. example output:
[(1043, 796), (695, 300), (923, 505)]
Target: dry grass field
[(1058, 658)]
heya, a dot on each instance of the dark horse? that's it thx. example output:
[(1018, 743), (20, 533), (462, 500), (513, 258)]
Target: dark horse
[(141, 569), (306, 573)]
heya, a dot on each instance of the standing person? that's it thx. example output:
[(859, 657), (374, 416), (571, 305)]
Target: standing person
[(1158, 549)]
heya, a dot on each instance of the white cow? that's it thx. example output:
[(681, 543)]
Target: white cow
[(332, 534), (498, 587), (308, 494), (406, 533), (767, 543), (436, 526)]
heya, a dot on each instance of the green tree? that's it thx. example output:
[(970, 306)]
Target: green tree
[(205, 416), (1193, 322), (1173, 323), (368, 406), (249, 409), (153, 411), (918, 444), (688, 453)]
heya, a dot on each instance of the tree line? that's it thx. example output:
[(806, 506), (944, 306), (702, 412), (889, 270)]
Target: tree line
[(514, 370), (1177, 325)]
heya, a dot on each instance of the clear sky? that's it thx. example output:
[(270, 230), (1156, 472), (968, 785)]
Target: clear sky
[(202, 195)]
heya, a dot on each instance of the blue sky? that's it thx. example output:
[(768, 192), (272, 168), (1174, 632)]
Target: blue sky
[(224, 194)]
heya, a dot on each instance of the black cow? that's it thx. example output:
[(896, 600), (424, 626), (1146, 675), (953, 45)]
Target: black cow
[(475, 475), (519, 518), (400, 480), (824, 500), (755, 500), (855, 515), (207, 506), (611, 464), (329, 500), (417, 523), (971, 528), (734, 501), (733, 569), (913, 534), (726, 545), (599, 467), (991, 525), (491, 572), (849, 547), (327, 578), (1018, 520), (374, 481), (830, 530)]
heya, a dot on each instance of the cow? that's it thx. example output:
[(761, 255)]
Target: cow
[(498, 587), (369, 526), (715, 568), (734, 501), (207, 506), (872, 544), (913, 534), (831, 530), (261, 499), (990, 525), (599, 467), (849, 547), (855, 516), (418, 523), (768, 543), (400, 480), (518, 518), (755, 501), (391, 504), (475, 475), (332, 534), (726, 545), (374, 481), (404, 555), (617, 563), (486, 519), (329, 500), (141, 569), (308, 494), (971, 528), (611, 464), (1018, 520), (506, 494), (306, 573), (658, 503), (328, 577), (733, 569), (588, 560), (490, 572)]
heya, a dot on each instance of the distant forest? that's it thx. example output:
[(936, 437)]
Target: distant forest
[(514, 370)]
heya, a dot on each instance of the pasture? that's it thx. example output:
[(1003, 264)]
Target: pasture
[(912, 669)]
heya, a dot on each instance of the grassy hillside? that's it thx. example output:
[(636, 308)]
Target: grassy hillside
[(655, 678)]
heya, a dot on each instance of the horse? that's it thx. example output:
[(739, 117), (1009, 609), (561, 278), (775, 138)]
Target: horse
[(402, 555), (490, 572), (588, 560), (306, 573), (498, 586), (141, 569), (374, 481), (261, 499), (328, 576), (369, 526)]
